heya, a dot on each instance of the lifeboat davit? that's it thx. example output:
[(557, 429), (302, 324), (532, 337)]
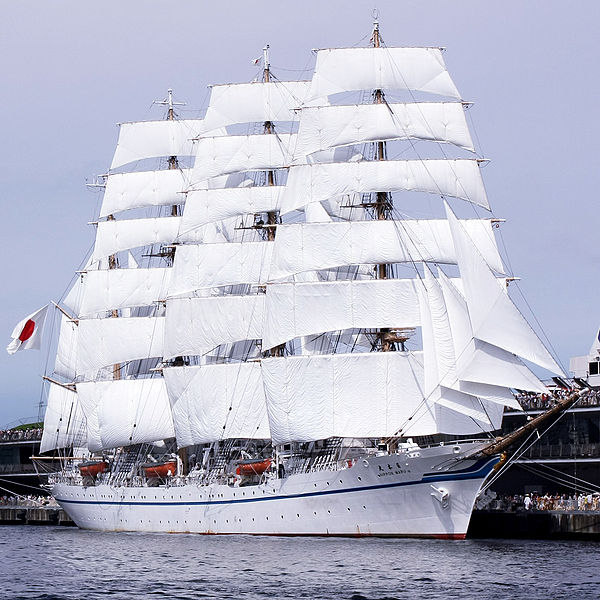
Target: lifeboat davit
[(160, 469), (92, 468), (253, 466)]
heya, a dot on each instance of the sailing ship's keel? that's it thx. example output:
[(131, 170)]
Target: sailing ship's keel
[(388, 495)]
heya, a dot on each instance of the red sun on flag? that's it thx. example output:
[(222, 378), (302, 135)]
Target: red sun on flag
[(28, 330), (27, 334)]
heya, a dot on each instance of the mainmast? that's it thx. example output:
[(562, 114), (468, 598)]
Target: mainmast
[(173, 162), (272, 216), (269, 129)]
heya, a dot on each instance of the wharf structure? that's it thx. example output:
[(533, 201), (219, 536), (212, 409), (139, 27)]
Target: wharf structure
[(17, 471), (565, 459)]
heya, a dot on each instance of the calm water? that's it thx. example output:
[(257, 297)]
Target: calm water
[(47, 563)]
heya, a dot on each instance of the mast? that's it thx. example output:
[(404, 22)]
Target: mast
[(175, 212), (269, 129), (173, 162), (114, 313), (272, 216), (383, 206)]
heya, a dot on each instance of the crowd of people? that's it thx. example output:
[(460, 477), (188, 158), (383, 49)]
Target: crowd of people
[(544, 502), (19, 435), (30, 501), (534, 401)]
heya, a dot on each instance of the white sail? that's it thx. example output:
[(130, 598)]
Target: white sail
[(66, 349), (125, 412), (208, 206), (348, 69), (73, 298), (204, 266), (300, 309), (494, 317), (125, 191), (151, 139), (232, 154), (64, 422), (323, 127), (494, 366), (501, 396), (457, 412), (105, 342), (110, 289), (458, 362), (478, 362), (460, 178), (438, 347), (215, 402), (344, 395), (196, 325), (312, 246), (115, 236), (254, 102)]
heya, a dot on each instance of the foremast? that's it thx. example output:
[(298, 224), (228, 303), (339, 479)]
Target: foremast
[(383, 211)]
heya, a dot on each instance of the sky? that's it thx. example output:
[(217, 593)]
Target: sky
[(71, 70)]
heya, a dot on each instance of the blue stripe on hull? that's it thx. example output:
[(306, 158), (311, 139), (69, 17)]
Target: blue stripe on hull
[(479, 470)]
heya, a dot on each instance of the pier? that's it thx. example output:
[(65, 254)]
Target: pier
[(38, 515), (535, 525)]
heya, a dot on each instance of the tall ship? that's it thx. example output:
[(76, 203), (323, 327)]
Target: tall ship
[(288, 303)]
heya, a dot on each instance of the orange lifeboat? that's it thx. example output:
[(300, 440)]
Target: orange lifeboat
[(253, 467), (160, 469), (92, 468)]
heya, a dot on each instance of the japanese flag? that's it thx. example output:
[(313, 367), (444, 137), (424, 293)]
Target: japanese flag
[(28, 333)]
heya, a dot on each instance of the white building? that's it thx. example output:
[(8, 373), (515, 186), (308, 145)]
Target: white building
[(588, 367)]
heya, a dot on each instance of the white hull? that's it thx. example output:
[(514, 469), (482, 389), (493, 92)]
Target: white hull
[(427, 493)]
